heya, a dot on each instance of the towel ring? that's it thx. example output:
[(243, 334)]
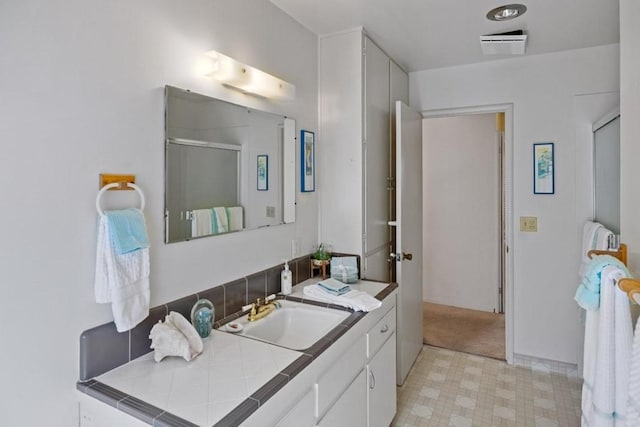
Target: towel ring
[(114, 185)]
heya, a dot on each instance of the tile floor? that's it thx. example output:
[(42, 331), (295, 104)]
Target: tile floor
[(448, 388)]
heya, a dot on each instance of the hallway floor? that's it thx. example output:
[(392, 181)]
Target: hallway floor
[(449, 388), (461, 329)]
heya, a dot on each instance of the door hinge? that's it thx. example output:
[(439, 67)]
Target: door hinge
[(391, 183)]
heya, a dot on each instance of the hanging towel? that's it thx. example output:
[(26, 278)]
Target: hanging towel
[(121, 279), (589, 242), (219, 220), (588, 292), (355, 300), (607, 348), (633, 401), (235, 215), (201, 222), (127, 230)]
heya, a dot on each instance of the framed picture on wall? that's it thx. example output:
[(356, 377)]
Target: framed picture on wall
[(543, 168), (308, 161), (263, 172)]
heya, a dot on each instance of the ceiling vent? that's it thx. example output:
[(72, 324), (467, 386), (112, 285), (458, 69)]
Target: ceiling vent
[(509, 43)]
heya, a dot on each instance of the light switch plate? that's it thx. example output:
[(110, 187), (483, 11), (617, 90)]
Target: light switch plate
[(529, 223)]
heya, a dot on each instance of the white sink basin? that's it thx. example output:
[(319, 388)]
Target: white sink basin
[(295, 325)]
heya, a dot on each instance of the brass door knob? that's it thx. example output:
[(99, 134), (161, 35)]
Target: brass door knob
[(407, 256)]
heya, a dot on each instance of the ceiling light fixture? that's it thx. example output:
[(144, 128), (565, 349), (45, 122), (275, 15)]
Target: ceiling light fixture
[(246, 78), (506, 12)]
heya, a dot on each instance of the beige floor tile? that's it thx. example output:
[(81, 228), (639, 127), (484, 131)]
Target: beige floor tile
[(446, 388)]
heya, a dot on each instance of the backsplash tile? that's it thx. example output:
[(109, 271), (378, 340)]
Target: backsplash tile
[(183, 305), (101, 349), (256, 286), (140, 342), (273, 279), (216, 296), (303, 267), (235, 296)]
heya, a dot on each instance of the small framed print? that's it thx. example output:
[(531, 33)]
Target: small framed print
[(263, 172), (543, 168), (308, 161)]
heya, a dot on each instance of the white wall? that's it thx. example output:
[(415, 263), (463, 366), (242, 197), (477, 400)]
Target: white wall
[(461, 211), (542, 90), (629, 130), (82, 93)]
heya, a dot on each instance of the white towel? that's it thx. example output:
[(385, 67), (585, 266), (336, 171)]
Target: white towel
[(633, 401), (221, 221), (606, 355), (235, 214), (355, 300), (201, 222), (589, 239), (122, 280)]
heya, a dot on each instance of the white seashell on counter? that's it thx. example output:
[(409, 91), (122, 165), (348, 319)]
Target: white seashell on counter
[(175, 337)]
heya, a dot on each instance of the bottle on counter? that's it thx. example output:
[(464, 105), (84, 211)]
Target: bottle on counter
[(285, 279)]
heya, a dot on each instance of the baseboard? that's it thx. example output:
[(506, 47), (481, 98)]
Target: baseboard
[(545, 365)]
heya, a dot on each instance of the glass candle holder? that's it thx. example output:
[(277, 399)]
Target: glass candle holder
[(202, 315)]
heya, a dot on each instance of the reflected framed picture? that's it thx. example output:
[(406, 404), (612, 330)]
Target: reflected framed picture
[(307, 161), (263, 172), (543, 168)]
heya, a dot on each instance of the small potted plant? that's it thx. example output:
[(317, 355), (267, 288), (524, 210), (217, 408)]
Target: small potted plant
[(321, 256)]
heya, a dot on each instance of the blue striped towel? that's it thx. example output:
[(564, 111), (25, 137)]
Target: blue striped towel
[(127, 230), (334, 287)]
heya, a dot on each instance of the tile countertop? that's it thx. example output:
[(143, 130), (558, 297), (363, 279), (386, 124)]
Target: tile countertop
[(229, 370)]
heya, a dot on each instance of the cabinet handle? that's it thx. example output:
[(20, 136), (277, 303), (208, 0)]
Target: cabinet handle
[(372, 381), (384, 329)]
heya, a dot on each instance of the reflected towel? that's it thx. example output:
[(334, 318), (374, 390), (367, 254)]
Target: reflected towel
[(200, 222), (127, 230), (235, 215), (355, 300), (219, 220), (122, 280)]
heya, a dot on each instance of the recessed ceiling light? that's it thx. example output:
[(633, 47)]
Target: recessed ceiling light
[(504, 13)]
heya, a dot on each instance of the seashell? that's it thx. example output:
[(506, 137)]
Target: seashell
[(175, 337)]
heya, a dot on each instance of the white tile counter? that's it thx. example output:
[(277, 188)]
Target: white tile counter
[(205, 389)]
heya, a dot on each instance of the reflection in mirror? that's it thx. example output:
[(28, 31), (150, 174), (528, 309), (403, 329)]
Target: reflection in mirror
[(212, 182)]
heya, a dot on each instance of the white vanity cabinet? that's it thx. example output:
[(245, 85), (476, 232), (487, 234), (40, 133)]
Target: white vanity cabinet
[(381, 390), (350, 410), (301, 415), (359, 84)]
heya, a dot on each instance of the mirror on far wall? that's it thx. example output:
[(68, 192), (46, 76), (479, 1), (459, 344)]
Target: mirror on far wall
[(228, 168)]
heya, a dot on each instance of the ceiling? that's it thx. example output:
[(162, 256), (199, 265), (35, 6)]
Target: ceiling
[(424, 34)]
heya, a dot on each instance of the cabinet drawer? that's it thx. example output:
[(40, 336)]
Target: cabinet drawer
[(380, 332), (345, 368)]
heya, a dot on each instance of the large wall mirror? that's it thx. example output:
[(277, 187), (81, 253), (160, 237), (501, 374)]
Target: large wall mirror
[(228, 168)]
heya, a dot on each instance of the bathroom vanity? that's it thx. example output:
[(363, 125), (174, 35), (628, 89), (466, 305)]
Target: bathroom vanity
[(346, 378)]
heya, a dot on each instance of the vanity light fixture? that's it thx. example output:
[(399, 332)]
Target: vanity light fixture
[(246, 78), (506, 12)]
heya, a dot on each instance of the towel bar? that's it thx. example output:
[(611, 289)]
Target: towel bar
[(114, 185)]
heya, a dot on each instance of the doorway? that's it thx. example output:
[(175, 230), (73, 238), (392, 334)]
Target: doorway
[(466, 176)]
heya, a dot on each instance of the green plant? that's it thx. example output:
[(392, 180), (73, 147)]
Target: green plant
[(321, 253)]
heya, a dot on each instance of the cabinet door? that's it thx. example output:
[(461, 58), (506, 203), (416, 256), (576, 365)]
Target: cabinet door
[(376, 163), (382, 385), (302, 414), (350, 410)]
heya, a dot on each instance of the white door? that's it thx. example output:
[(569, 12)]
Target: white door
[(408, 251)]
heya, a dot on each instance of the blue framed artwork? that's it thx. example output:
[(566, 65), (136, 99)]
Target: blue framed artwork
[(263, 172), (543, 168), (307, 161)]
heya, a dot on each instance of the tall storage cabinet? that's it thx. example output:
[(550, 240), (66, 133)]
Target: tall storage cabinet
[(358, 85)]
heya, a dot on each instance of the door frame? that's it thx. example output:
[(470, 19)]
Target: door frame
[(508, 290)]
